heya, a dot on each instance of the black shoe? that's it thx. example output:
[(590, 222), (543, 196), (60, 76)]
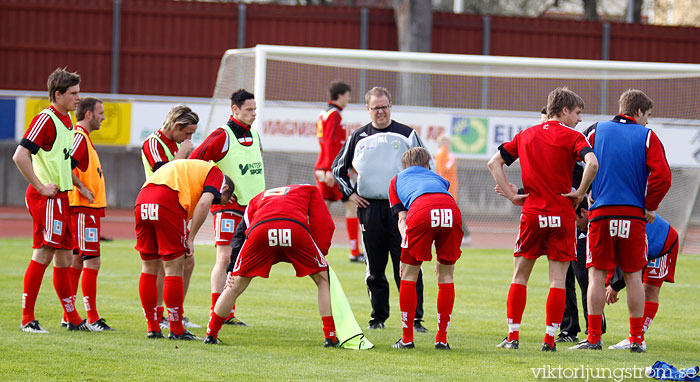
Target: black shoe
[(508, 344), (357, 259), (401, 345), (566, 338), (376, 325), (588, 346), (209, 340), (186, 335), (442, 346), (418, 327), (546, 347), (81, 327), (637, 348), (33, 327), (99, 326), (154, 335), (235, 321), (329, 343)]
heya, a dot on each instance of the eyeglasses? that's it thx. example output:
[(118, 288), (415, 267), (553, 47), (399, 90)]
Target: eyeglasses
[(383, 108)]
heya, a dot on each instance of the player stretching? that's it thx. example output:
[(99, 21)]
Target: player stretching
[(547, 153)]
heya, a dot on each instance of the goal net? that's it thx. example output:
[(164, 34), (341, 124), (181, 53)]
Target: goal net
[(479, 101)]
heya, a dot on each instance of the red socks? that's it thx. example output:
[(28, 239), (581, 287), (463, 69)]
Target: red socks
[(215, 298), (89, 285), (215, 323), (636, 332), (32, 283), (445, 303), (159, 309), (149, 298), (556, 302), (650, 309), (329, 328), (173, 297), (517, 297), (595, 328), (61, 283), (352, 226), (407, 303)]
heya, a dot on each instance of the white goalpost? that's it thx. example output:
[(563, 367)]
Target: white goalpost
[(479, 101)]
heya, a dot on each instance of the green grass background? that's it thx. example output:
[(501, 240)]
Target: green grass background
[(284, 341)]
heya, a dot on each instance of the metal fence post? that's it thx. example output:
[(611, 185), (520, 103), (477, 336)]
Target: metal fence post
[(116, 31)]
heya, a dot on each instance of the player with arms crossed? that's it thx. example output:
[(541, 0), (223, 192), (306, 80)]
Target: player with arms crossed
[(236, 149), (634, 177), (427, 213), (87, 212), (172, 141), (285, 224), (547, 154), (331, 134), (179, 192), (43, 156)]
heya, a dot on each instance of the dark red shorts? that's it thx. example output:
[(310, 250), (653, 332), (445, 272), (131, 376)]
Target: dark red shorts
[(51, 219), (331, 193), (617, 242), (550, 235), (86, 234), (279, 241), (161, 233), (225, 224), (432, 218), (663, 269)]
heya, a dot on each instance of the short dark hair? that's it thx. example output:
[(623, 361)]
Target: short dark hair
[(231, 187), (337, 89), (583, 204), (60, 80), (561, 98), (632, 100), (544, 110), (86, 104), (239, 97)]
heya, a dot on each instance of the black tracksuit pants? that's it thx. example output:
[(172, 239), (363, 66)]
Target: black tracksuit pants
[(382, 239)]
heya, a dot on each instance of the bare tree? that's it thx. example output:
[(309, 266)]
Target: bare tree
[(414, 22), (590, 9)]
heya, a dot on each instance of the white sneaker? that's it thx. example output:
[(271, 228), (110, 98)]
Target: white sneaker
[(625, 345), (164, 323), (33, 327), (188, 324)]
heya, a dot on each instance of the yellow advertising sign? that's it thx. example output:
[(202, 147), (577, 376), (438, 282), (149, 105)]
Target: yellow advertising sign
[(115, 130)]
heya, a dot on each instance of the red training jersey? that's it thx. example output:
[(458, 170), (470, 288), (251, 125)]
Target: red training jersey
[(155, 152), (331, 135), (301, 203), (42, 131), (547, 153)]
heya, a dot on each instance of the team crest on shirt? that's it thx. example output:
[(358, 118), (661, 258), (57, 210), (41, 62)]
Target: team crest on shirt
[(227, 225), (57, 227), (91, 235)]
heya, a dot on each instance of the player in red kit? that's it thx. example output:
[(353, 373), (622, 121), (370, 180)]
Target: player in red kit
[(285, 224), (331, 135), (547, 153)]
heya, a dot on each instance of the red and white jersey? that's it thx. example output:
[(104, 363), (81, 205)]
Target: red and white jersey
[(42, 131), (80, 149), (331, 135), (547, 153), (301, 203), (155, 152)]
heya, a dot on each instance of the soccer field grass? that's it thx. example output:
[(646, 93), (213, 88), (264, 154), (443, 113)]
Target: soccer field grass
[(284, 340)]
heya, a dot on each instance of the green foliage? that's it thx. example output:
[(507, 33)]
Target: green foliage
[(284, 341)]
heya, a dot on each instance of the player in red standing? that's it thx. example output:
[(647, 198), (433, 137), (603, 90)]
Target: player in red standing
[(285, 224), (331, 134), (427, 213), (170, 142), (49, 140), (547, 154)]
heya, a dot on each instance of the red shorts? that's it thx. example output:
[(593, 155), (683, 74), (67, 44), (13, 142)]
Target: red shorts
[(550, 235), (161, 233), (432, 218), (86, 234), (615, 241), (663, 269), (51, 218), (331, 193), (279, 241), (225, 224)]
